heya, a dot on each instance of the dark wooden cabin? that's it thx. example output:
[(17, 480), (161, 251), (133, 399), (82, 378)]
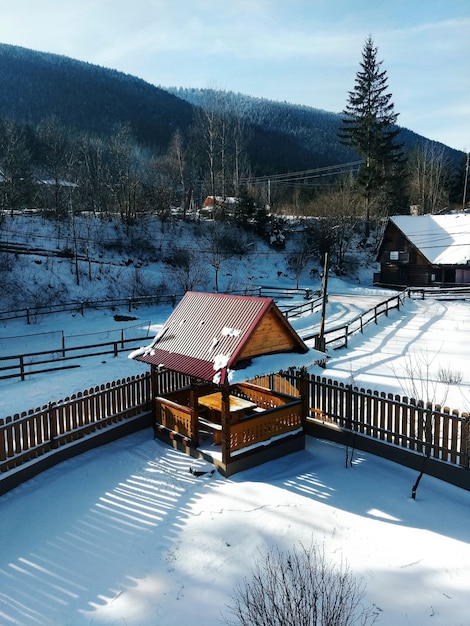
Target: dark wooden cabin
[(425, 250), (208, 342)]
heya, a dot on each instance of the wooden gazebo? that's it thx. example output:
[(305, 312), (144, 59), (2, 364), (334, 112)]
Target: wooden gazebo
[(208, 342)]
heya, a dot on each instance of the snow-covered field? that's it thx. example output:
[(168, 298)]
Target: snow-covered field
[(126, 535), (425, 336)]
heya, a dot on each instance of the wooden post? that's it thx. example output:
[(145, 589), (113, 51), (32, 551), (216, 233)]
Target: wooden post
[(225, 420), (320, 343), (155, 391), (3, 451), (465, 443), (304, 392), (194, 416)]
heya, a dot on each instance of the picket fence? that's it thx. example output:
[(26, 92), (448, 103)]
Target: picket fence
[(420, 428), (412, 426), (32, 434)]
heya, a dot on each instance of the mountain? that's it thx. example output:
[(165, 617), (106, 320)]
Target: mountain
[(37, 85), (89, 98), (314, 130)]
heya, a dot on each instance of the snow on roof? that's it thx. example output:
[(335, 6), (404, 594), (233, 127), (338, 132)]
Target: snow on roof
[(206, 333), (442, 239)]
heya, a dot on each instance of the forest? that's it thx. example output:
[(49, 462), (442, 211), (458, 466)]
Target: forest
[(127, 147)]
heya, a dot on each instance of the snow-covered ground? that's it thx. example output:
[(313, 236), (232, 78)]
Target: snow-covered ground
[(426, 337), (126, 535)]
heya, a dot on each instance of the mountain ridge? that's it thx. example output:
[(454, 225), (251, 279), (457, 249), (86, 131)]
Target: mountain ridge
[(95, 99)]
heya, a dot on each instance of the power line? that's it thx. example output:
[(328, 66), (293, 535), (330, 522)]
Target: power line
[(303, 175)]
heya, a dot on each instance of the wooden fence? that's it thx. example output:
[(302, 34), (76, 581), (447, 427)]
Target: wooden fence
[(31, 434), (440, 293), (338, 336), (46, 361), (418, 428), (413, 428)]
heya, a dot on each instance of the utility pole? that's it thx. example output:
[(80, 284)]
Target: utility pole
[(464, 199), (320, 343)]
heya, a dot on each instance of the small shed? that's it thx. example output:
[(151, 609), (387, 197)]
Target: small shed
[(425, 250), (211, 411)]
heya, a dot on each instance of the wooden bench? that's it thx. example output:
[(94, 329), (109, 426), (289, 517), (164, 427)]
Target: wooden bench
[(213, 427)]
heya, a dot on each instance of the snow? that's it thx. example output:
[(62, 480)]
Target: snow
[(126, 535)]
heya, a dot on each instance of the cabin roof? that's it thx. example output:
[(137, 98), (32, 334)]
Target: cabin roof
[(207, 335), (441, 239)]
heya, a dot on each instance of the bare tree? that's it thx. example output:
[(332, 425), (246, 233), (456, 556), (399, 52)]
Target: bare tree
[(428, 177), (223, 242), (422, 385), (299, 588), (16, 166), (58, 154), (186, 268), (125, 166)]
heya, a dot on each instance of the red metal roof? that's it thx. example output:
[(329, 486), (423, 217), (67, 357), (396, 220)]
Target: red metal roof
[(206, 332)]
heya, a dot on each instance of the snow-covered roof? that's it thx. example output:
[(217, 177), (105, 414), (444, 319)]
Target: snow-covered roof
[(442, 239), (209, 335)]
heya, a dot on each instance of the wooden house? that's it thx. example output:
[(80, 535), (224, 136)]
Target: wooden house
[(425, 250), (208, 342)]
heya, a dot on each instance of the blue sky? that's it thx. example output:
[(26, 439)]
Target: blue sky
[(301, 51)]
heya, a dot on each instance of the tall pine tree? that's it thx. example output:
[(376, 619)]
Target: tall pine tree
[(368, 126)]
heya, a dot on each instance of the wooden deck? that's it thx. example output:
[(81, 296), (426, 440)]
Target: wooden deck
[(258, 418)]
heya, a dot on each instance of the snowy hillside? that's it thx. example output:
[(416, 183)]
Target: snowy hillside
[(88, 258)]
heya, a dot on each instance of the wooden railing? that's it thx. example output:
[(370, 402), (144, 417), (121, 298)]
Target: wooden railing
[(263, 398), (176, 417), (280, 415), (274, 422), (28, 435), (338, 336)]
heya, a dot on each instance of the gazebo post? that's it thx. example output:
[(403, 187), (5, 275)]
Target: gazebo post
[(154, 378), (225, 421), (194, 415)]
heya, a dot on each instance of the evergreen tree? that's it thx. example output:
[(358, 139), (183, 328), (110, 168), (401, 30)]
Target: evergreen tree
[(368, 126)]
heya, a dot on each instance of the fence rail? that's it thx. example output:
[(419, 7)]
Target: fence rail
[(440, 293), (22, 365), (132, 303), (30, 313), (338, 336)]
